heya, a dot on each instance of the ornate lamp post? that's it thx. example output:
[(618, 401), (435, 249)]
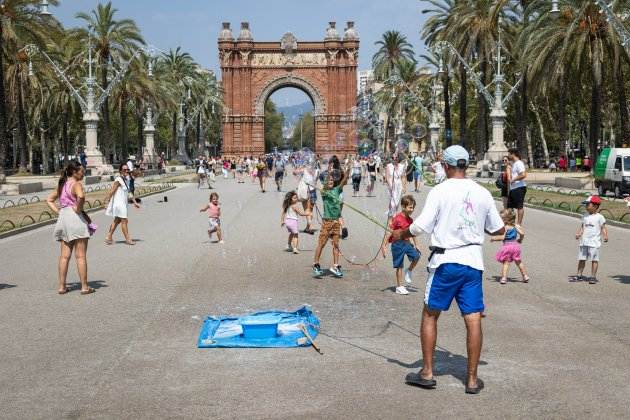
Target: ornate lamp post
[(433, 114), (497, 101), (89, 102), (615, 22), (184, 122)]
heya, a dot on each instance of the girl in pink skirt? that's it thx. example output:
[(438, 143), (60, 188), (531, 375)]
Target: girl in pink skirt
[(289, 218), (511, 249)]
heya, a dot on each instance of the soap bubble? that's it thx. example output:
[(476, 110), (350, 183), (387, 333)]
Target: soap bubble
[(340, 139), (402, 145)]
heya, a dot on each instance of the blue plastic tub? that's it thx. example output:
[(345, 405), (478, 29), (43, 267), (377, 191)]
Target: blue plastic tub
[(260, 327)]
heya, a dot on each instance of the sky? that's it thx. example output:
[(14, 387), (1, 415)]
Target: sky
[(195, 24)]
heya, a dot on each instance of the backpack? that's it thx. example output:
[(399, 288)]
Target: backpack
[(499, 182)]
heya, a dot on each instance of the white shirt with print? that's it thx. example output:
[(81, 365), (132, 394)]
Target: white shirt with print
[(592, 235), (456, 214), (518, 168)]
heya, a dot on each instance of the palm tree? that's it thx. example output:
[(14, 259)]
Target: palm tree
[(113, 40), (20, 24), (176, 65), (577, 37), (439, 27), (394, 49)]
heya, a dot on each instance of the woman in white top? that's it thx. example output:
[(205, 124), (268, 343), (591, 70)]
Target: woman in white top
[(117, 202), (396, 183)]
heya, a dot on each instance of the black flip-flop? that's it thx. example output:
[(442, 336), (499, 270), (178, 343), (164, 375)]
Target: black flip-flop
[(475, 390), (416, 379)]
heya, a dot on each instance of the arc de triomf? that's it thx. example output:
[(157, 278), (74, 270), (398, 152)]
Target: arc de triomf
[(325, 70)]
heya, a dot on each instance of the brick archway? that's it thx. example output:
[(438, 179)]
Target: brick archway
[(324, 70)]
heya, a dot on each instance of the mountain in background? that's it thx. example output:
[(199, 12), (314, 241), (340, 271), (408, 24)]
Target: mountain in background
[(292, 113)]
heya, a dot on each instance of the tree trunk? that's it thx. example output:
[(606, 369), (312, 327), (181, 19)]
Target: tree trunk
[(448, 128), (562, 112), (482, 115), (140, 123), (124, 126), (56, 145), (64, 132), (596, 99), (175, 140), (44, 146), (624, 123), (199, 145), (22, 126), (541, 129), (106, 143), (522, 123), (3, 111), (463, 76)]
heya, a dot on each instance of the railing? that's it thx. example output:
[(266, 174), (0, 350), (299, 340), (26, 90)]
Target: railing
[(44, 216), (564, 205)]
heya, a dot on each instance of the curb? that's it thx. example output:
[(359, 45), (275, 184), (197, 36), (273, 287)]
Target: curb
[(570, 214), (38, 225)]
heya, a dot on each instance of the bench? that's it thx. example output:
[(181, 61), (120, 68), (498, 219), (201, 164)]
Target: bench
[(89, 180), (30, 187), (573, 183)]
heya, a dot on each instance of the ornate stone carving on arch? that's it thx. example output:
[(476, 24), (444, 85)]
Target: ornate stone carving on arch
[(290, 80)]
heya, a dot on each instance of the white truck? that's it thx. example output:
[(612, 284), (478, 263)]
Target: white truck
[(612, 171)]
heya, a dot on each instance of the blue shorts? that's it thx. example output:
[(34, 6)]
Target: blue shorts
[(457, 281), (417, 175), (402, 248)]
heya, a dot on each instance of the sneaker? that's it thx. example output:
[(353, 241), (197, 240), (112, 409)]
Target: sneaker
[(402, 290), (221, 242), (336, 271), (296, 251), (592, 280), (317, 270), (407, 276), (289, 249)]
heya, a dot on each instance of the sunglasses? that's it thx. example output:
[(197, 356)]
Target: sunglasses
[(125, 170)]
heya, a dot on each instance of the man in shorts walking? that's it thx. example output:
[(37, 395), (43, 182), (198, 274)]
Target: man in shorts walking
[(456, 215), (518, 188)]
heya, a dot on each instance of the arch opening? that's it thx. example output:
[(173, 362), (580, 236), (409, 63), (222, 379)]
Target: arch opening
[(289, 122)]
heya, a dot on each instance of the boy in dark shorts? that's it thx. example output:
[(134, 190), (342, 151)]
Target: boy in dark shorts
[(331, 223), (404, 246)]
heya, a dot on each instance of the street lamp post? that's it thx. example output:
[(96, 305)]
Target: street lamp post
[(497, 101), (184, 123), (614, 20), (433, 114), (89, 103)]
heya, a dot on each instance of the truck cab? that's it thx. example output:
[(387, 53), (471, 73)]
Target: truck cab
[(612, 171)]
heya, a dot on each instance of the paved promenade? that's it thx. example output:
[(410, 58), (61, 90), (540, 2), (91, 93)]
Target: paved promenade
[(552, 349)]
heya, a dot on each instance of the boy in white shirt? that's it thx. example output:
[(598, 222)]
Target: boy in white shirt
[(590, 236)]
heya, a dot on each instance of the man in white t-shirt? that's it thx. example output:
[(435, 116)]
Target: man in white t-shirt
[(456, 215), (518, 188), (590, 236), (130, 178)]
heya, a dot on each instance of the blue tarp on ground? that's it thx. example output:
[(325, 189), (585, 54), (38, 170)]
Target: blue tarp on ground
[(226, 331)]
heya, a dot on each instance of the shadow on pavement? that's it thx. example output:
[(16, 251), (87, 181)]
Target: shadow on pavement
[(7, 286), (133, 239), (96, 284), (497, 279), (623, 279), (445, 362)]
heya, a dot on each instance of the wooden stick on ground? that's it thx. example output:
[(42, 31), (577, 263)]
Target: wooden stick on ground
[(306, 333)]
